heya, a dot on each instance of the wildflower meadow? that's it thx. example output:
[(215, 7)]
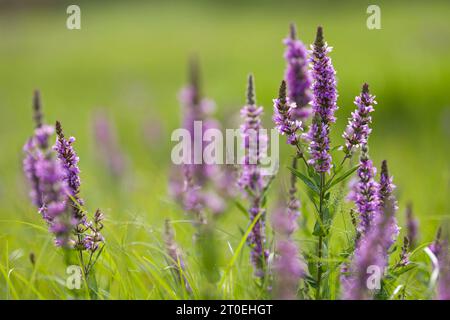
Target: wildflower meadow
[(257, 151)]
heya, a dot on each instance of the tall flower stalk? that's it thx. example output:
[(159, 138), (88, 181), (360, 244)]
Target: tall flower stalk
[(323, 104), (297, 76), (324, 97), (197, 189), (387, 198), (87, 233), (412, 226), (251, 181)]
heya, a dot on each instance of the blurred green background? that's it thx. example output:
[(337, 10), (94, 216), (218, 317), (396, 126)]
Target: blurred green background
[(129, 59)]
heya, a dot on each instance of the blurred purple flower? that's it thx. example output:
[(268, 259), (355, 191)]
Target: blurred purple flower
[(443, 285), (288, 265), (358, 130), (199, 189), (371, 252), (412, 226), (107, 145), (386, 197), (251, 181), (297, 75)]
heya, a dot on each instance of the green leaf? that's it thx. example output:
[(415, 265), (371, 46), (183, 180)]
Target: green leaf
[(306, 180), (241, 208), (404, 269), (342, 177)]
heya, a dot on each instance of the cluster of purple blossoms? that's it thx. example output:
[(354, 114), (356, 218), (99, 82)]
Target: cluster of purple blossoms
[(53, 174), (377, 229), (45, 175), (386, 198), (87, 232), (49, 190), (297, 76), (323, 104), (251, 180), (284, 118), (358, 130), (371, 252), (365, 193)]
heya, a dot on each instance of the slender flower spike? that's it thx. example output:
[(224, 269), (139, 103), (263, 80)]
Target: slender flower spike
[(443, 286), (438, 244), (251, 181), (197, 191), (288, 266), (297, 75), (69, 160), (254, 142), (358, 130), (283, 116), (385, 197), (108, 146), (412, 226), (323, 104), (366, 195)]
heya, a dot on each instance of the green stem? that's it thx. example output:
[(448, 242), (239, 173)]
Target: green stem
[(319, 249)]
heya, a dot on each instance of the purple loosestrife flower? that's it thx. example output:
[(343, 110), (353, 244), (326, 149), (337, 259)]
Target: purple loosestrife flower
[(412, 226), (323, 104), (88, 232), (386, 196), (192, 191), (251, 181), (437, 246), (404, 254), (297, 75), (36, 143), (288, 265), (108, 146), (443, 285), (366, 193), (283, 117), (358, 130), (254, 143), (69, 160)]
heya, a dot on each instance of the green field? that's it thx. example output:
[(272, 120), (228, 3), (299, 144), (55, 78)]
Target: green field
[(130, 61)]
